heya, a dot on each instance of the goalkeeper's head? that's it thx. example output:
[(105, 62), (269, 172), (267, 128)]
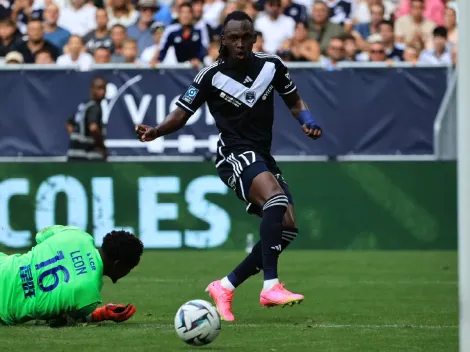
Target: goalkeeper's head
[(121, 252)]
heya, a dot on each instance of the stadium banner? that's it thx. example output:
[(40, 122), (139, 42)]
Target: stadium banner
[(362, 111), (349, 205)]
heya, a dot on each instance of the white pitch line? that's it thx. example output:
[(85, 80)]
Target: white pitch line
[(320, 326), (314, 282)]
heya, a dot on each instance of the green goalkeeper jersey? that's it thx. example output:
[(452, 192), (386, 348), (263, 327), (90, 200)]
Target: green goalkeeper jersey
[(62, 274)]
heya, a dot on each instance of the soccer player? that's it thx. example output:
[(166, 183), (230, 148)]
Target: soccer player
[(238, 89), (60, 279)]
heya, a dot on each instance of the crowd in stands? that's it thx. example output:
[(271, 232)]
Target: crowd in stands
[(149, 32)]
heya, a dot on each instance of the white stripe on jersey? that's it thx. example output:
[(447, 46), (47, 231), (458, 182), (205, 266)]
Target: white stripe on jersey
[(201, 73), (272, 56), (179, 102)]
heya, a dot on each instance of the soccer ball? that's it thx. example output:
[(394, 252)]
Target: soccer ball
[(197, 322)]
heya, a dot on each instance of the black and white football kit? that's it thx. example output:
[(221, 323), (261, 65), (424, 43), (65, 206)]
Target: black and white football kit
[(242, 103)]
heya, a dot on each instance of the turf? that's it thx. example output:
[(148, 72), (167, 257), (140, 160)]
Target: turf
[(355, 301)]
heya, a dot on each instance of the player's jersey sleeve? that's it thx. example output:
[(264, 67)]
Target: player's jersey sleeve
[(51, 231), (197, 92), (282, 81)]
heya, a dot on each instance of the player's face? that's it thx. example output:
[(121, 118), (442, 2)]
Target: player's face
[(98, 90), (239, 37)]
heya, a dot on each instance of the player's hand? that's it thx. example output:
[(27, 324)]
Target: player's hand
[(114, 312), (146, 133), (313, 132)]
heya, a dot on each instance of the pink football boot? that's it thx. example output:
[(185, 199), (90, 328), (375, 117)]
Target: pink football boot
[(222, 298), (279, 296)]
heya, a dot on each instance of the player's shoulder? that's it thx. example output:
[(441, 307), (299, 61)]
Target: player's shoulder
[(206, 74), (270, 58), (173, 28)]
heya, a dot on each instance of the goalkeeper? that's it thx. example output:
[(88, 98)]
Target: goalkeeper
[(60, 279)]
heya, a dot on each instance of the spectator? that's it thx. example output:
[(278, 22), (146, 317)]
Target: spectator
[(5, 9), (163, 14), (198, 6), (414, 29), (36, 42), (99, 37), (43, 57), (76, 54), (232, 5), (393, 50), (377, 16), (275, 26), (440, 53), (321, 29), (341, 12), (141, 30), (189, 43), (450, 22), (102, 55), (258, 47), (118, 36), (411, 55), (377, 51), (14, 57), (131, 51), (296, 11), (175, 10), (251, 10), (79, 18), (433, 10), (212, 53), (335, 53), (10, 36), (350, 48), (52, 32), (122, 12), (212, 11), (454, 56), (362, 10), (300, 47), (86, 128), (157, 29), (25, 11)]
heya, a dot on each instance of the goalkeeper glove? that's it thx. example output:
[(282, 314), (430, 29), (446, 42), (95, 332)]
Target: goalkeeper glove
[(114, 312)]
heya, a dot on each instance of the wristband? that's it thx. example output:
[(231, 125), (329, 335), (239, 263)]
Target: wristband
[(306, 118)]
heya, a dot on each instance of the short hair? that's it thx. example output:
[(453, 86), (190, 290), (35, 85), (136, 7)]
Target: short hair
[(258, 34), (197, 1), (129, 41), (103, 48), (421, 1), (8, 22), (380, 5), (186, 4), (43, 51), (122, 246), (387, 23), (338, 37), (76, 36), (35, 20), (303, 23), (320, 2), (117, 25), (440, 31), (273, 2), (348, 36)]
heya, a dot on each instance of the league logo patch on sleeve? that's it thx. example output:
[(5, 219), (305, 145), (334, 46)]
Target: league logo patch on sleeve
[(190, 94)]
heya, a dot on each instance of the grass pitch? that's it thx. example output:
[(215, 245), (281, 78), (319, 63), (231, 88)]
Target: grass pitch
[(355, 301)]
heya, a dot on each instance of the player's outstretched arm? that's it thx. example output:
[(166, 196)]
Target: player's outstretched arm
[(173, 122), (299, 109)]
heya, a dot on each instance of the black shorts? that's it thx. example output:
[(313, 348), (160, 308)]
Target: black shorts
[(238, 167)]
